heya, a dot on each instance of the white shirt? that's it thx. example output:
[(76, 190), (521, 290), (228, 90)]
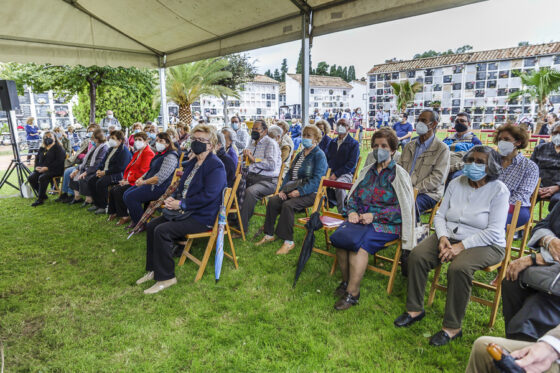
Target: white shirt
[(477, 217)]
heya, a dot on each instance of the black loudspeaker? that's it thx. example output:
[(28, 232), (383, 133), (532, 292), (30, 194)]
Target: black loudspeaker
[(8, 95)]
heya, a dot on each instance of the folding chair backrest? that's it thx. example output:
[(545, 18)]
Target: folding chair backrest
[(357, 170), (181, 159), (280, 178), (510, 232), (233, 193)]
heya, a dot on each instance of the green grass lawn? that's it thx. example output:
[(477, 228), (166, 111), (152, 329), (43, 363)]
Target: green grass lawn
[(68, 302)]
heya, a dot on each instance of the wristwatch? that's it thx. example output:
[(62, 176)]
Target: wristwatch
[(533, 259)]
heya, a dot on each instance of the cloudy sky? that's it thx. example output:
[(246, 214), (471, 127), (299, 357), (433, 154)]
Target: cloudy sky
[(487, 25)]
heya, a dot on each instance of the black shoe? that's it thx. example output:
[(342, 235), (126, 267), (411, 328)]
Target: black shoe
[(85, 204), (76, 201), (63, 197), (346, 301), (404, 262), (406, 320), (37, 203), (341, 289), (93, 208), (99, 211), (441, 338)]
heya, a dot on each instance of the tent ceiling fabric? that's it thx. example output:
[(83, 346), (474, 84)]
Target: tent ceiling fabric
[(140, 32)]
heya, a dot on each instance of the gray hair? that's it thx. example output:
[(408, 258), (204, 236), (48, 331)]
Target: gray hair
[(494, 165), (221, 139), (435, 115), (275, 132), (556, 125), (232, 134)]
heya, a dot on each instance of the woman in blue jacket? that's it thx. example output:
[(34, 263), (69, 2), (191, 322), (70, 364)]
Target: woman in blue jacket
[(192, 209), (33, 137), (298, 190), (326, 140), (110, 171)]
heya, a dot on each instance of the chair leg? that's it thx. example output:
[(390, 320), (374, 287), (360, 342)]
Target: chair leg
[(232, 247), (433, 287), (394, 269), (185, 251), (238, 209), (497, 295), (204, 261), (333, 268)]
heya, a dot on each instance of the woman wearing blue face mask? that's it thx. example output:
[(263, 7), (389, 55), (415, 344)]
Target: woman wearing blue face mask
[(298, 190), (469, 233), (380, 209)]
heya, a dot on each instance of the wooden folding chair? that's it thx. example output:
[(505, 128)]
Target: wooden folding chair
[(501, 267), (212, 236), (235, 208), (527, 227), (57, 184), (432, 212), (357, 170), (264, 201)]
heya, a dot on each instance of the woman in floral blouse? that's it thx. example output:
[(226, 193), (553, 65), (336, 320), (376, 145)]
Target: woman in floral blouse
[(383, 200)]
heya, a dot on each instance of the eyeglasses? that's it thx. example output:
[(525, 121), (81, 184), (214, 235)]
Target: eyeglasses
[(477, 161), (202, 140)]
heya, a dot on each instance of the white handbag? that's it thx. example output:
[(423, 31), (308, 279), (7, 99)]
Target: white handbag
[(27, 190)]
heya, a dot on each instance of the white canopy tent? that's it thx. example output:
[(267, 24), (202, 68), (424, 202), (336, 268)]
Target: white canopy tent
[(162, 33)]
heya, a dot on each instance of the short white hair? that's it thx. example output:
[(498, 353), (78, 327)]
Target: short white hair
[(275, 131)]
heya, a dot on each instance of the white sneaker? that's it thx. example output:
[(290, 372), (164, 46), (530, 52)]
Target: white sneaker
[(161, 285), (147, 277)]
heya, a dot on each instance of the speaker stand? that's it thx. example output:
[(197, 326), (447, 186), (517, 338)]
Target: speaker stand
[(16, 164)]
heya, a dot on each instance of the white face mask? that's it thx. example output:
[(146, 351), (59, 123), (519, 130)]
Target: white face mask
[(160, 147), (422, 128), (556, 140), (341, 130), (113, 143), (110, 116), (505, 148), (139, 144)]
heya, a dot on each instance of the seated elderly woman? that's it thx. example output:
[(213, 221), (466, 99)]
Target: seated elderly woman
[(230, 136), (109, 172), (136, 128), (520, 174), (297, 192), (192, 209), (138, 166), (63, 139), (228, 162), (325, 130), (49, 163), (275, 132), (469, 234), (547, 157), (380, 209), (286, 138), (80, 177), (155, 181)]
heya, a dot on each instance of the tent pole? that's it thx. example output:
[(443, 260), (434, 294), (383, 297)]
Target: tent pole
[(305, 47), (163, 95)]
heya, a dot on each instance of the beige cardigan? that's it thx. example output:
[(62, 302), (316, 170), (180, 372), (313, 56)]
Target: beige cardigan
[(405, 196)]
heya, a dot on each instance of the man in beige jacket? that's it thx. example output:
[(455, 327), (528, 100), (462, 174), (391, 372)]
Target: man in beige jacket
[(426, 159), (541, 356)]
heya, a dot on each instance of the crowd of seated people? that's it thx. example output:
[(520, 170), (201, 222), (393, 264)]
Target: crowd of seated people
[(476, 205)]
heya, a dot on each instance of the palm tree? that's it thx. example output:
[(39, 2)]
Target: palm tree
[(405, 93), (187, 83), (538, 85)]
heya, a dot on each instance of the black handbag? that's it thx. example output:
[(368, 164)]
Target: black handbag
[(349, 236), (175, 215), (542, 278), (292, 185)]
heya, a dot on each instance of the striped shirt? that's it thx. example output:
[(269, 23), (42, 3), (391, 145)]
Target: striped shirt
[(267, 152), (296, 168), (521, 178)]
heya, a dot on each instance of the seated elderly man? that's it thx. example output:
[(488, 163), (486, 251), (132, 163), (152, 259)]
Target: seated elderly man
[(426, 159), (275, 133), (463, 139), (547, 157), (469, 234), (342, 156), (530, 315), (263, 154)]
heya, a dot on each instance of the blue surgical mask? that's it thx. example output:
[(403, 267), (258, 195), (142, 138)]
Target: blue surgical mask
[(474, 171), (307, 143), (152, 135), (381, 155), (235, 126)]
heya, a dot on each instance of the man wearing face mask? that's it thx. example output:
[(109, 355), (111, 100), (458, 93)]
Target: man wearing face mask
[(547, 157), (342, 156), (463, 139), (403, 130), (110, 120), (242, 136), (426, 158), (263, 155)]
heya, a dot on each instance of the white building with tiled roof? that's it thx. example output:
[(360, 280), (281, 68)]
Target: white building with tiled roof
[(325, 93), (475, 82)]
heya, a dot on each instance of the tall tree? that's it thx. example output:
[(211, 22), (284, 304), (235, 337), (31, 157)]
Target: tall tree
[(332, 71), (277, 75), (404, 91), (339, 71), (351, 73), (538, 85), (242, 70), (268, 73), (322, 68), (67, 81), (299, 66), (284, 69), (345, 73), (187, 83)]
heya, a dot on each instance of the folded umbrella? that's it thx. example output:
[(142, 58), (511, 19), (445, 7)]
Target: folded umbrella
[(220, 239), (312, 225)]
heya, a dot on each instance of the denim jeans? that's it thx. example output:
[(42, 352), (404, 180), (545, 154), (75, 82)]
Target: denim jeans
[(66, 180)]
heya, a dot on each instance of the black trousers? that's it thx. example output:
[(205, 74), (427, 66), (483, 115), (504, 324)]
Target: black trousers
[(99, 187), (161, 234), (287, 210), (40, 182), (528, 314), (116, 201)]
